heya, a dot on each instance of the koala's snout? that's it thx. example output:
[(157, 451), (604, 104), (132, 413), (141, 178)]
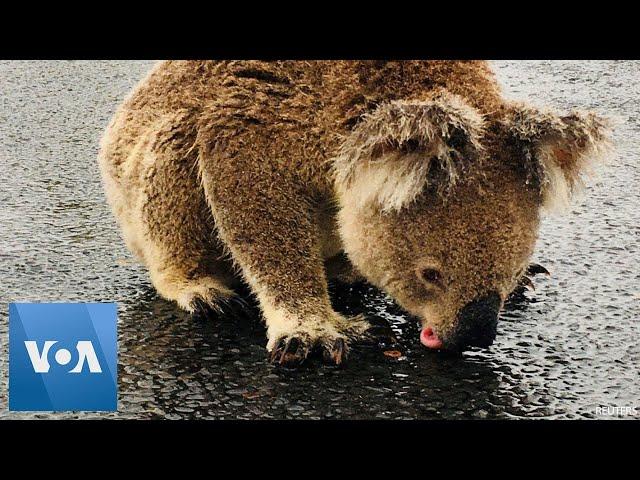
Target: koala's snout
[(477, 323), (476, 326)]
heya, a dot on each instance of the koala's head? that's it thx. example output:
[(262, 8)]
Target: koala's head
[(440, 206)]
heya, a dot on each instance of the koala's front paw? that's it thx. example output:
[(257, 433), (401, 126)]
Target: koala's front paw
[(293, 350), (329, 337)]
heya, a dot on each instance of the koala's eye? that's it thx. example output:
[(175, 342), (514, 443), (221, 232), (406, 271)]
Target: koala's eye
[(430, 275)]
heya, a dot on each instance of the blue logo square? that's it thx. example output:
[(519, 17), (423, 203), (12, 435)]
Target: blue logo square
[(63, 356)]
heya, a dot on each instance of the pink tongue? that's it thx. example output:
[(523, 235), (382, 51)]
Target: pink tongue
[(429, 339)]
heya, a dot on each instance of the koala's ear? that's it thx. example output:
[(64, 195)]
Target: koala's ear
[(559, 151), (403, 146)]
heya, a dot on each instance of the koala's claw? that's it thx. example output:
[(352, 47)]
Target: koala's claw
[(330, 343), (535, 269), (335, 353), (233, 307), (525, 283), (289, 351), (293, 351), (201, 310)]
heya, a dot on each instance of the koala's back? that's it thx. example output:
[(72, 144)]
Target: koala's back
[(301, 107), (180, 99), (282, 118)]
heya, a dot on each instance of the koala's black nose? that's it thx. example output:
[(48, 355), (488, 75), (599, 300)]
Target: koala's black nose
[(477, 323)]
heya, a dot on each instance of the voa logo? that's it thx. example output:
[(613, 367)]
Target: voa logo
[(63, 357), (40, 360)]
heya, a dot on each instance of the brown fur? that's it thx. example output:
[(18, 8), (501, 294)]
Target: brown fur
[(270, 169)]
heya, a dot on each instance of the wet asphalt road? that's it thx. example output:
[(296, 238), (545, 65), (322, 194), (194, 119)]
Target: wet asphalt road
[(562, 351)]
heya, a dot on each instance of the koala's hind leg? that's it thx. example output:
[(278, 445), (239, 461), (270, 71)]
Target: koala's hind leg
[(273, 236), (171, 223), (200, 295)]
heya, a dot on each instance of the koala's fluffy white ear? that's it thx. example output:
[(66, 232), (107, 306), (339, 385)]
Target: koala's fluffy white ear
[(403, 146), (559, 150)]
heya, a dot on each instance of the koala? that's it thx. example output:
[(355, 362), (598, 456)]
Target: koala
[(416, 176)]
